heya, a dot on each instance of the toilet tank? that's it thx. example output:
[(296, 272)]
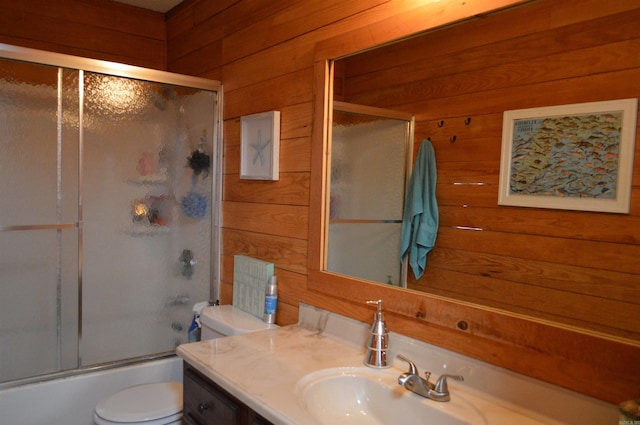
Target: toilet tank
[(226, 320)]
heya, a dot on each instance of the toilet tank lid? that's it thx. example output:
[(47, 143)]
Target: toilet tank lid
[(229, 320), (145, 402)]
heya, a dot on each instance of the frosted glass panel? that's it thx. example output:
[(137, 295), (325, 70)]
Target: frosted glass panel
[(367, 186), (33, 136), (38, 280), (39, 187), (378, 262), (125, 229), (137, 296), (368, 162)]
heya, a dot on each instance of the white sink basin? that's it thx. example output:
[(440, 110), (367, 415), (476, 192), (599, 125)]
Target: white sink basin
[(350, 396)]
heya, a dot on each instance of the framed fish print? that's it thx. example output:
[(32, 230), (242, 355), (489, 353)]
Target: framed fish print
[(260, 146), (576, 157)]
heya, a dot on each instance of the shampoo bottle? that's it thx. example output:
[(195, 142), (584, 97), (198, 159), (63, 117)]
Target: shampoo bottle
[(195, 329), (271, 300)]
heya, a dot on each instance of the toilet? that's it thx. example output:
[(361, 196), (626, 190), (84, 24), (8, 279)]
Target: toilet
[(160, 403)]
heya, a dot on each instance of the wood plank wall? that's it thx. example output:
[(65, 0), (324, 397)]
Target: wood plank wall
[(577, 268), (97, 29), (265, 53)]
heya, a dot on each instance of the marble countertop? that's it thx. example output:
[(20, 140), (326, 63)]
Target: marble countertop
[(261, 369)]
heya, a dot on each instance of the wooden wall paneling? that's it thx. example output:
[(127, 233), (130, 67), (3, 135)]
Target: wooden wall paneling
[(605, 284), (291, 189), (23, 24), (500, 338), (245, 13), (210, 31), (481, 126), (289, 22), (203, 10), (546, 222), (512, 60), (591, 88), (204, 62), (287, 253), (562, 67), (562, 304), (459, 146), (179, 20), (467, 195), (280, 220), (524, 25), (575, 252), (269, 95), (95, 13), (278, 60), (353, 34)]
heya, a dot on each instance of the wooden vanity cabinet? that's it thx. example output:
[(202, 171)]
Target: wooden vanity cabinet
[(206, 403)]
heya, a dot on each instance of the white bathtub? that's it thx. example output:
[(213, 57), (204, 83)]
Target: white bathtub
[(70, 401)]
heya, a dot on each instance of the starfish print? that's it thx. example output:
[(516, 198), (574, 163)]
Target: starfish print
[(259, 147)]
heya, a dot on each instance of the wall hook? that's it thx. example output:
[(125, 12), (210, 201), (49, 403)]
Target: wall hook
[(453, 139), (440, 123), (467, 121)]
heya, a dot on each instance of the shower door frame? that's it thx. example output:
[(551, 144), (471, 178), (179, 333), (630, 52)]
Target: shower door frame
[(59, 60)]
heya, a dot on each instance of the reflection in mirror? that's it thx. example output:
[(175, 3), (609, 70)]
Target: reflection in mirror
[(540, 263), (370, 161)]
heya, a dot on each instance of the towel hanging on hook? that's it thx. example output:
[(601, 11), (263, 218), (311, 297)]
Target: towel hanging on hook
[(420, 218)]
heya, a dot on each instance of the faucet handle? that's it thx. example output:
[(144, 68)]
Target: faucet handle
[(413, 370), (441, 384)]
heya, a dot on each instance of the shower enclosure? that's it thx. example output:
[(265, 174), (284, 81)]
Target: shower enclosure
[(371, 152), (109, 194)]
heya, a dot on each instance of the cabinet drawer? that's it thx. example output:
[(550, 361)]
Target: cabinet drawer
[(204, 404)]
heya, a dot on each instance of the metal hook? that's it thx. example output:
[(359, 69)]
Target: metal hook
[(440, 123), (453, 139), (467, 121)]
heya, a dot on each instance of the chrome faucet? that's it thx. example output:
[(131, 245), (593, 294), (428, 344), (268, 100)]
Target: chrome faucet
[(412, 381), (378, 341)]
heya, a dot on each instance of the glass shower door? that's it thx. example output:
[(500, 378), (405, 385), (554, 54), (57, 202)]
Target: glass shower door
[(38, 217), (370, 150), (107, 212), (139, 220)]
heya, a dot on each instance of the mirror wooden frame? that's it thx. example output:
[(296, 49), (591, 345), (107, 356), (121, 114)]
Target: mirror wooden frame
[(558, 354)]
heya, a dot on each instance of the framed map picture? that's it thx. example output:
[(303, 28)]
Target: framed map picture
[(577, 157), (260, 146)]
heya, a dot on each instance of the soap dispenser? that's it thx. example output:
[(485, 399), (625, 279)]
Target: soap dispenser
[(378, 341)]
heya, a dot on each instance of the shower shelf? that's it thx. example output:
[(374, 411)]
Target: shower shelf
[(144, 230), (150, 179)]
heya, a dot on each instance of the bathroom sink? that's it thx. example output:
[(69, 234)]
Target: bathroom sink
[(354, 395)]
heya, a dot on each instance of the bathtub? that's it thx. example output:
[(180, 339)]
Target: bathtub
[(71, 400)]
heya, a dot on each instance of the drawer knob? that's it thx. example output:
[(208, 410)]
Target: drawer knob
[(202, 407)]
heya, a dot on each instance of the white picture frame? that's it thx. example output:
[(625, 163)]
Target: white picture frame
[(574, 157), (260, 146)]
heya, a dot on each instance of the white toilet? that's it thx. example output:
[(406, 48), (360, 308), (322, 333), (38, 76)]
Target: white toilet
[(160, 403)]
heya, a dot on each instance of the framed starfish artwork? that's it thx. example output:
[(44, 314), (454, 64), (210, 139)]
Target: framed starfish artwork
[(260, 146)]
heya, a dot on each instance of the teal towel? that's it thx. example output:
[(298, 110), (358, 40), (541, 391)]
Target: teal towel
[(420, 218)]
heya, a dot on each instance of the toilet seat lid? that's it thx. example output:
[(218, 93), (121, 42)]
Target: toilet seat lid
[(146, 402)]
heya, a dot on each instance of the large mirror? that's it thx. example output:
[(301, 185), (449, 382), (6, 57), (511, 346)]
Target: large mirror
[(458, 81)]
